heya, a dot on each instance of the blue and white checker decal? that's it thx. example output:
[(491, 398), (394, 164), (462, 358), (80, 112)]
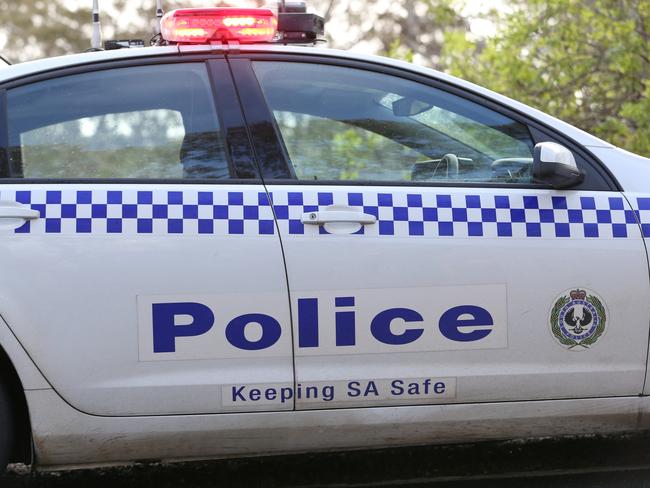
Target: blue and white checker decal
[(641, 204), (468, 214), (241, 210), (181, 212)]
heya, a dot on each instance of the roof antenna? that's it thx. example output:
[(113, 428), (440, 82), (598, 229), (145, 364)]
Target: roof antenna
[(96, 43), (159, 14)]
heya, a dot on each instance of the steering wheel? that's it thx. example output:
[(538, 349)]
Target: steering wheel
[(513, 169), (450, 160)]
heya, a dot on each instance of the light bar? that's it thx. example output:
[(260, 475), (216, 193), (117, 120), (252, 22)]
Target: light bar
[(203, 25)]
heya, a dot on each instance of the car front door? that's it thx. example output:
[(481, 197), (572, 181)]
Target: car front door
[(141, 268), (424, 263)]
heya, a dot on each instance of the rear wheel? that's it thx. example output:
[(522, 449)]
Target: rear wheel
[(6, 426)]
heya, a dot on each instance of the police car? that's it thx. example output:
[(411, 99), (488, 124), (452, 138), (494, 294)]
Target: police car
[(234, 243)]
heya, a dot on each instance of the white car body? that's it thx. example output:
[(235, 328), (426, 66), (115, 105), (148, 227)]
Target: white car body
[(76, 312)]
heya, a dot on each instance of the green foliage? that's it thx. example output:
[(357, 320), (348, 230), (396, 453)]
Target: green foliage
[(397, 51), (326, 149), (34, 28), (600, 309), (134, 144), (585, 62), (354, 149), (42, 28), (68, 161), (407, 29), (555, 326)]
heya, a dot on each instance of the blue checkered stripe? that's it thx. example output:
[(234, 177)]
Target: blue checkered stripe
[(433, 214), (146, 212), (643, 211)]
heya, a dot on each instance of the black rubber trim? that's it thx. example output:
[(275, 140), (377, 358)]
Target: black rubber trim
[(4, 136), (418, 184), (102, 65), (217, 85), (602, 179), (266, 141), (232, 123), (130, 181)]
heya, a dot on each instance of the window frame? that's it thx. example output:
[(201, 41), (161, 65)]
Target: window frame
[(598, 177), (228, 109), (4, 136)]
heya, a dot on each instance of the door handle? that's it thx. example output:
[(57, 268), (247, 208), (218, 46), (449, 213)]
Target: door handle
[(18, 212), (329, 216)]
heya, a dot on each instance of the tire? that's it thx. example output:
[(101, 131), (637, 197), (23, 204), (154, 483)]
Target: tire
[(6, 426)]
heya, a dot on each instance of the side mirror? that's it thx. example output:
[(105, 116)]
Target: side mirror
[(555, 165)]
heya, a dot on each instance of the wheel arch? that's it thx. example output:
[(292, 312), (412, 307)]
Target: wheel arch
[(21, 451), (19, 372)]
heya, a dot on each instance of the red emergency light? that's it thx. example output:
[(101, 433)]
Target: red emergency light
[(203, 25)]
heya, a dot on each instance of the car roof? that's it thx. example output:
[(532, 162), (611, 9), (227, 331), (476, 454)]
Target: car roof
[(17, 71)]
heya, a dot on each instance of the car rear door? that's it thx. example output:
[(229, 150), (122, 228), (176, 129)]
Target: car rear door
[(424, 263), (141, 269)]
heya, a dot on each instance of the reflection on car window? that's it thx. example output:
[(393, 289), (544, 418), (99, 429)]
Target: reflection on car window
[(328, 149), (348, 124), (155, 122)]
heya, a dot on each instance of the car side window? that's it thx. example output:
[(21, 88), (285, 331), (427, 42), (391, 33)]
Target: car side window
[(339, 123), (154, 122)]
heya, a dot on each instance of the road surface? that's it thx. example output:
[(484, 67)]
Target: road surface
[(572, 462)]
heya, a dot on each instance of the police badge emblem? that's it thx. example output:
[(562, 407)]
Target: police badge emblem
[(578, 319)]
